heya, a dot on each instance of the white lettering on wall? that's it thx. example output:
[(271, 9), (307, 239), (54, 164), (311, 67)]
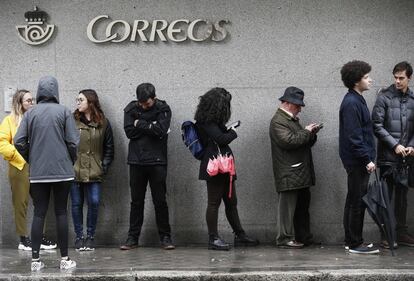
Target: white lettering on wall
[(177, 31)]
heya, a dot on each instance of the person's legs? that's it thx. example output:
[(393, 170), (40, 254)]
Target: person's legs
[(241, 239), (157, 182), (286, 212), (60, 196), (301, 218), (138, 186), (214, 195), (40, 193), (400, 210), (215, 190), (230, 205), (20, 186), (77, 198), (93, 190), (358, 178)]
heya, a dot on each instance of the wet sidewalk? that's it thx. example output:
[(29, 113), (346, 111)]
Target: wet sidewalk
[(198, 263)]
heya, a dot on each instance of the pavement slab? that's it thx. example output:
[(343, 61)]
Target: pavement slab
[(198, 263)]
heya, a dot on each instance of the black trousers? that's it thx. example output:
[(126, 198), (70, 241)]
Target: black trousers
[(40, 193), (139, 177), (354, 212), (218, 190), (399, 193)]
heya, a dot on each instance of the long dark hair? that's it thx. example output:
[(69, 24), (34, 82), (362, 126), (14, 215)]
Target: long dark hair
[(94, 106), (214, 106)]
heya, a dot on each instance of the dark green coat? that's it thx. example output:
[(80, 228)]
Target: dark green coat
[(291, 146), (95, 152)]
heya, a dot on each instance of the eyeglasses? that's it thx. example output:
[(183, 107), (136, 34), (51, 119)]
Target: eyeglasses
[(29, 100), (80, 100)]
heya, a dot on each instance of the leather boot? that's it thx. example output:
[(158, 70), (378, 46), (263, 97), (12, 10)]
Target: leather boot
[(242, 240)]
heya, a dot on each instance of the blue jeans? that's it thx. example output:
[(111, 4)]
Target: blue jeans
[(77, 194)]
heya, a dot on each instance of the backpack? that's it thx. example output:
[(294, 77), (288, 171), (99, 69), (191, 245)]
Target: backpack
[(191, 140)]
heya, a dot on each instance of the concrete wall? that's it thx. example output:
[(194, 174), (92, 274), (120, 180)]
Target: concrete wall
[(272, 45)]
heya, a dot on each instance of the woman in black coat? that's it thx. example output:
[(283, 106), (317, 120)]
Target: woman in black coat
[(213, 112)]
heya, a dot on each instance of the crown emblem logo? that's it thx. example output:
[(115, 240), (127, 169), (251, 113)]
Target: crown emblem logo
[(36, 31)]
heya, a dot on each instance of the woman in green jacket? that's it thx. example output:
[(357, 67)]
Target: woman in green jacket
[(95, 154)]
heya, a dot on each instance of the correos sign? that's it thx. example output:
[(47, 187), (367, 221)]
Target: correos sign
[(180, 30)]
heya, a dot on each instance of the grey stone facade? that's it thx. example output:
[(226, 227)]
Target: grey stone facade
[(271, 45)]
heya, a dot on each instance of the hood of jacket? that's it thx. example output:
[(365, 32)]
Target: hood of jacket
[(47, 90)]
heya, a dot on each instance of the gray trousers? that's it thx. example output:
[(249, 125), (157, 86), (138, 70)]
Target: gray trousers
[(293, 216)]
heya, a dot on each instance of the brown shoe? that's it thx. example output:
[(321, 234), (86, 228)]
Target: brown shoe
[(406, 240), (384, 244), (293, 244), (130, 243)]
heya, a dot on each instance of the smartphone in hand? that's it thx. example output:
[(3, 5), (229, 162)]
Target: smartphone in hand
[(317, 127), (233, 125)]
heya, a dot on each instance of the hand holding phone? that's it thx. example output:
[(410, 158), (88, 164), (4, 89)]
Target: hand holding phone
[(234, 125), (314, 128)]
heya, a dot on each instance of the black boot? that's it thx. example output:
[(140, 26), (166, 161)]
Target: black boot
[(216, 243), (242, 240)]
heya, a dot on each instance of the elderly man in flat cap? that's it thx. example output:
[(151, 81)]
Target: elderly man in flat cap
[(293, 169)]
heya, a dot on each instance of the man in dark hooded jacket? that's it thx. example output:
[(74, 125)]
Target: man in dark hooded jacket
[(147, 124), (393, 117)]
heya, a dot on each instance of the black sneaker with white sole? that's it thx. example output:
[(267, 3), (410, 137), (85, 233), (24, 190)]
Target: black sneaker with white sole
[(89, 244), (80, 244), (362, 249), (46, 244), (25, 244), (166, 243)]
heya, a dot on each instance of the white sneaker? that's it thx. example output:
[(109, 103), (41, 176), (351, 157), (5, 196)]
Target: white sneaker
[(37, 265), (67, 264)]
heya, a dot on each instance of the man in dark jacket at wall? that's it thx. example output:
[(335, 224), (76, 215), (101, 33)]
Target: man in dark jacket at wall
[(357, 152), (293, 170), (393, 117), (147, 124)]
